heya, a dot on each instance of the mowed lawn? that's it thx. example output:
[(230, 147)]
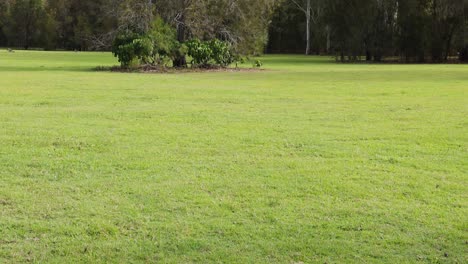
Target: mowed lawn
[(306, 161)]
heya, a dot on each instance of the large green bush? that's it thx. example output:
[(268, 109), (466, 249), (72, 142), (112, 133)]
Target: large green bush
[(131, 48), (159, 46), (211, 53), (165, 45), (200, 52), (222, 52)]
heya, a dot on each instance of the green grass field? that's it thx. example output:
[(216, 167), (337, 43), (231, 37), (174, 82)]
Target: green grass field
[(307, 161)]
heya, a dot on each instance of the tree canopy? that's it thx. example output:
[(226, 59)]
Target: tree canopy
[(92, 24), (411, 30)]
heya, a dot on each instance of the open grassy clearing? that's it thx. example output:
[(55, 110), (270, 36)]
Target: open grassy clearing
[(309, 161)]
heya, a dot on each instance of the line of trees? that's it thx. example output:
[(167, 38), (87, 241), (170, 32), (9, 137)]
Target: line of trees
[(411, 30), (93, 24)]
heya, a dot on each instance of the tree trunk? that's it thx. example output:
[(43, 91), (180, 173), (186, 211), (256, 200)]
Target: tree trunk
[(464, 51), (448, 44), (26, 38), (328, 39), (180, 61), (308, 27), (378, 57), (368, 55)]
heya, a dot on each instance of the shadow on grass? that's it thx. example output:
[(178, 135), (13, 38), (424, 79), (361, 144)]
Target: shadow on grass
[(47, 68), (296, 59)]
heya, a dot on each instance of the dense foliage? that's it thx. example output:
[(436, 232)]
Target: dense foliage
[(208, 53), (412, 30), (159, 46), (93, 24), (130, 48)]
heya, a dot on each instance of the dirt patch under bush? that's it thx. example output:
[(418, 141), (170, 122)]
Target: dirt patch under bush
[(161, 69)]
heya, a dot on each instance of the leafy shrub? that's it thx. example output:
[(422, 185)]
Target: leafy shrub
[(213, 52), (143, 47), (159, 46), (222, 53), (128, 47), (257, 64), (165, 44), (200, 52)]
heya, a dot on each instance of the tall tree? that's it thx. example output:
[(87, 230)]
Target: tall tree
[(313, 10), (26, 17), (244, 23), (4, 15), (175, 12)]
